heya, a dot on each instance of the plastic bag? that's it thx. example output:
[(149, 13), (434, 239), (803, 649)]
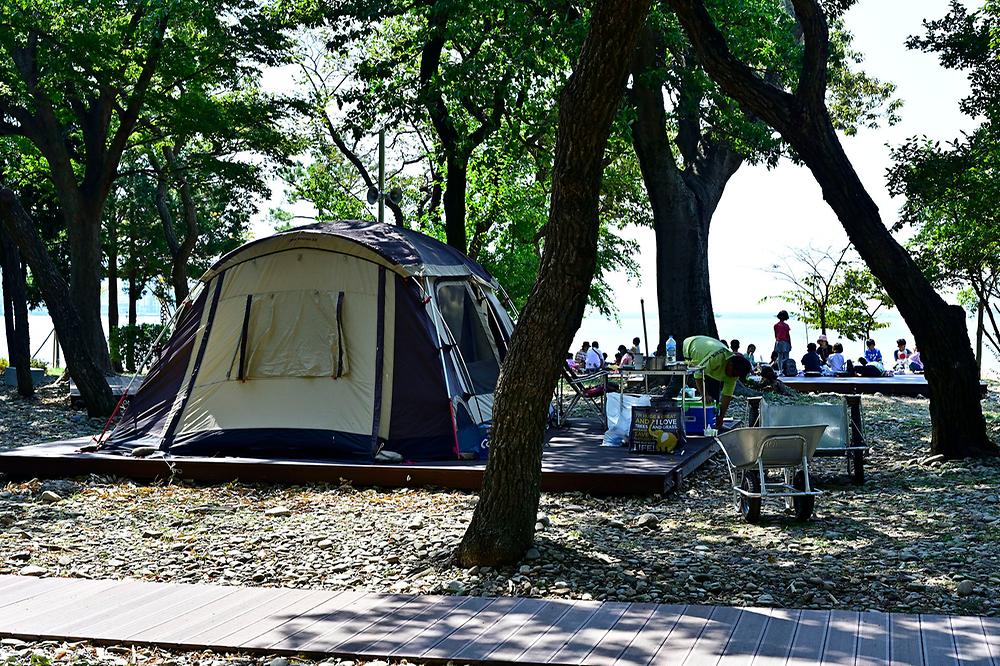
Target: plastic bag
[(619, 413)]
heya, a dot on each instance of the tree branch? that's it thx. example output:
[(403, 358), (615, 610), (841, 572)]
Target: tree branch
[(812, 79)]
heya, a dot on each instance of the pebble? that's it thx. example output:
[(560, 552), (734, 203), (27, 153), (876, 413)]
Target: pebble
[(278, 511), (455, 587), (649, 520), (50, 497), (532, 554), (966, 588), (278, 661), (32, 570)]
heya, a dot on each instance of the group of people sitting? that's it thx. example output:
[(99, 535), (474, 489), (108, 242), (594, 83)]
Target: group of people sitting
[(823, 359), (589, 358)]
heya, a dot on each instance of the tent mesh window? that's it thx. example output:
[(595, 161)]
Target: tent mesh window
[(293, 334), (467, 324)]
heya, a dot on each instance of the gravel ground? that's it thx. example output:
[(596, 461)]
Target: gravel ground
[(919, 536)]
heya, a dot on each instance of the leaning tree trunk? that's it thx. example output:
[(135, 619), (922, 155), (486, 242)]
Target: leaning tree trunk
[(502, 527), (113, 291), (15, 302), (76, 343), (456, 183), (958, 428)]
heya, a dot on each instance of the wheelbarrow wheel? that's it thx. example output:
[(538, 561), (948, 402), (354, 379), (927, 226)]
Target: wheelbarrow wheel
[(804, 504), (856, 467), (750, 506)]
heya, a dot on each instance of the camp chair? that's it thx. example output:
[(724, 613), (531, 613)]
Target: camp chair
[(842, 438), (585, 391)]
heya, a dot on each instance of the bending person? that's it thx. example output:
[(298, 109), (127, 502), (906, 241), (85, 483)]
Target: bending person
[(722, 369)]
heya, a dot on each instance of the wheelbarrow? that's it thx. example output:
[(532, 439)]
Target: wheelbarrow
[(750, 452)]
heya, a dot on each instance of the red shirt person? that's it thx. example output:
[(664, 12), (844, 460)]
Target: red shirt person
[(782, 337)]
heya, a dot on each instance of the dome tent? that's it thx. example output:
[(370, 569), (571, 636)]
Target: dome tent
[(331, 340)]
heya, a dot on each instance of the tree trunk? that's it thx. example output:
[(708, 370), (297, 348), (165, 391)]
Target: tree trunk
[(133, 319), (980, 326), (958, 428), (456, 182), (15, 304), (84, 235), (683, 203), (113, 290), (502, 526), (76, 343)]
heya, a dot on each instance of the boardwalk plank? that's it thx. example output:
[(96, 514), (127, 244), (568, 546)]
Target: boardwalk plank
[(507, 627), (644, 645), (683, 636), (410, 621), (107, 622), (810, 632), (590, 634), (904, 640), (749, 631), (970, 641), (991, 627), (555, 637), (776, 641), (303, 627), (474, 627), (179, 630), (711, 643), (938, 640), (27, 587), (873, 639), (22, 616), (624, 631), (284, 597), (305, 602), (841, 643), (441, 628), (515, 645), (81, 613), (359, 628), (164, 610)]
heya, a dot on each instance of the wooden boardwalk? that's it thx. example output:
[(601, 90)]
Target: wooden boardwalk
[(904, 385), (479, 629), (574, 460)]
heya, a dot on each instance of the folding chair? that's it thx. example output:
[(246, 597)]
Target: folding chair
[(584, 391)]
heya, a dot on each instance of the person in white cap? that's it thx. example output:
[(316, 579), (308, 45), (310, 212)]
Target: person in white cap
[(823, 348)]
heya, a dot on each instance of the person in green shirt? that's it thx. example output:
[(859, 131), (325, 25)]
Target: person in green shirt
[(722, 369)]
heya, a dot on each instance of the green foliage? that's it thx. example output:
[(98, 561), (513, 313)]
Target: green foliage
[(857, 298), (38, 363), (134, 342), (4, 364)]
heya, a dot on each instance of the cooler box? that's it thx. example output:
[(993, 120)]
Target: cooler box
[(695, 416)]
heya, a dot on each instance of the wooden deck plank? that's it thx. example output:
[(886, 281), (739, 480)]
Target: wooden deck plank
[(179, 630), (904, 640), (710, 644), (557, 635), (359, 626), (683, 636), (106, 621), (970, 641), (991, 627), (515, 645), (417, 616), (624, 631), (28, 587), (776, 641), (163, 610), (60, 619), (590, 634), (746, 638), (303, 627), (474, 627), (500, 631), (840, 645), (938, 640), (645, 644), (873, 639), (211, 634), (810, 632), (58, 597), (441, 628), (302, 603)]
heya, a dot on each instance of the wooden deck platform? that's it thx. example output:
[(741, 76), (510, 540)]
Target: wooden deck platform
[(904, 385), (573, 460), (479, 630)]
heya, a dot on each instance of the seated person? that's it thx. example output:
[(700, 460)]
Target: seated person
[(916, 363), (581, 356), (836, 360), (595, 358), (900, 354), (811, 362), (635, 350), (751, 355), (622, 357), (872, 355), (722, 369), (775, 363), (823, 347), (864, 369)]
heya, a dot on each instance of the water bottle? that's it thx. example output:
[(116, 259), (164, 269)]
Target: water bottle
[(671, 349)]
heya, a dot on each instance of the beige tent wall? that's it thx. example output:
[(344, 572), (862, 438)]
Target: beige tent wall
[(219, 401)]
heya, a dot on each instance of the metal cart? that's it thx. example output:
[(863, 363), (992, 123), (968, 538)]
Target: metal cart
[(750, 452), (843, 437)]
